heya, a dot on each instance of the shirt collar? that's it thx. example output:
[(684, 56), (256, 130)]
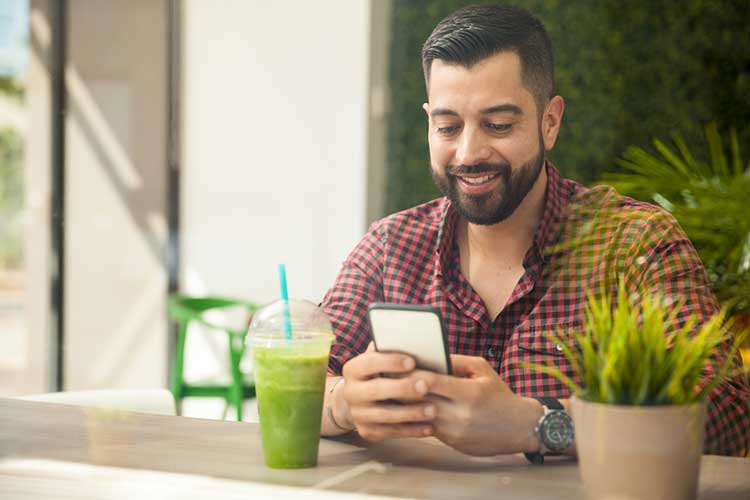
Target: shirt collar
[(448, 218), (545, 233)]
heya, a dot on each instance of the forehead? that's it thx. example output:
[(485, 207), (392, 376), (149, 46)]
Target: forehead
[(494, 80)]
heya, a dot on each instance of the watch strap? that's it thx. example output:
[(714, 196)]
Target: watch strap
[(551, 403)]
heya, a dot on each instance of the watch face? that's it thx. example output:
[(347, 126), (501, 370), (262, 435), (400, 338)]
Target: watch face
[(556, 431)]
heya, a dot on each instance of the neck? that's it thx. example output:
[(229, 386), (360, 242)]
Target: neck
[(515, 234)]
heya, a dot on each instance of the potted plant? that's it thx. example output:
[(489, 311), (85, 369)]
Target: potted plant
[(640, 392), (710, 201)]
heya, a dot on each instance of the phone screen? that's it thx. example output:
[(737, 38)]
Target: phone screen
[(416, 330)]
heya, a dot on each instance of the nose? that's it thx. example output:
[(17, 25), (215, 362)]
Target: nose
[(473, 147)]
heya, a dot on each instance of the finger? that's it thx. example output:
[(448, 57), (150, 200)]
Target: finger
[(379, 432), (446, 386), (381, 389), (438, 401), (371, 363), (451, 419), (446, 411), (385, 413), (469, 366)]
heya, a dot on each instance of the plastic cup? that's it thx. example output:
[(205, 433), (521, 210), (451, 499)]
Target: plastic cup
[(290, 377)]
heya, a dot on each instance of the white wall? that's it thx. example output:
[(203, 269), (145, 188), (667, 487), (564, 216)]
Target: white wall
[(275, 113), (115, 198)]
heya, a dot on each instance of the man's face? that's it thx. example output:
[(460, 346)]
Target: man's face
[(486, 144)]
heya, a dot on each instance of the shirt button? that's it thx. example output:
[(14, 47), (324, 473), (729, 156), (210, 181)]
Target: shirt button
[(490, 352), (558, 347)]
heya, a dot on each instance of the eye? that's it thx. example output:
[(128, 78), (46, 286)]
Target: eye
[(500, 127), (449, 130)]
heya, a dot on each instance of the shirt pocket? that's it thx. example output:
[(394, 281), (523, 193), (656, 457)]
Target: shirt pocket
[(537, 346), (540, 341)]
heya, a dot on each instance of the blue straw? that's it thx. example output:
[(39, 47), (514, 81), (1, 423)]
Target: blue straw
[(285, 298)]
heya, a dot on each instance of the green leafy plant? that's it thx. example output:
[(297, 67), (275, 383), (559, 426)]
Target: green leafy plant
[(635, 352), (708, 198)]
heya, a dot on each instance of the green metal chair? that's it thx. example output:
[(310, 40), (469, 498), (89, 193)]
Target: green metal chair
[(187, 310)]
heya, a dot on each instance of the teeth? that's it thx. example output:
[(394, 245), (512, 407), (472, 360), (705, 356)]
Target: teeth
[(478, 180)]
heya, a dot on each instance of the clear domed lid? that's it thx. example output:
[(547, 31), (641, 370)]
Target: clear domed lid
[(309, 324)]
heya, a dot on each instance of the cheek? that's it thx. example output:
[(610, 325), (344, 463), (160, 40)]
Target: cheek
[(524, 150), (441, 153)]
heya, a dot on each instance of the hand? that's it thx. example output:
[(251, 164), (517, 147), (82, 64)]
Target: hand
[(478, 414), (382, 407)]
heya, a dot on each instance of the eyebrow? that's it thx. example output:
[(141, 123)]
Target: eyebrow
[(503, 108), (498, 108)]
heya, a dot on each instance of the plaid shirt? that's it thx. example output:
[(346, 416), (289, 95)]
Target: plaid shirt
[(412, 258)]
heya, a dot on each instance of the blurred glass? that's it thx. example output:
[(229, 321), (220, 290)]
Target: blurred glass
[(14, 354)]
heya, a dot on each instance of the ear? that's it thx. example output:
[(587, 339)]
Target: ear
[(551, 120)]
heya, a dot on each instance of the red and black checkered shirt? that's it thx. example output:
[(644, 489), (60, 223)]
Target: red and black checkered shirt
[(412, 258)]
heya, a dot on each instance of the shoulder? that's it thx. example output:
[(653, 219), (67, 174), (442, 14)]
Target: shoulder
[(620, 216)]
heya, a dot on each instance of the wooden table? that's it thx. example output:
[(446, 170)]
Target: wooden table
[(36, 438)]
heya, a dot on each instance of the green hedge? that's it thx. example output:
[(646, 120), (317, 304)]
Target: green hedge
[(629, 72)]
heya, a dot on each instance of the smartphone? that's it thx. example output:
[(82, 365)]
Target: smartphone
[(416, 330)]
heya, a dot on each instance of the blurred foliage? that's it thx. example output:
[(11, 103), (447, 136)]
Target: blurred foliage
[(11, 87), (11, 197), (638, 353), (11, 184), (629, 71), (709, 199)]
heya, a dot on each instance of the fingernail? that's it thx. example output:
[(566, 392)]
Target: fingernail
[(429, 411), (408, 363), (421, 387)]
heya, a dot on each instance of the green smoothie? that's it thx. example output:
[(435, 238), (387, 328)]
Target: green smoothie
[(290, 382)]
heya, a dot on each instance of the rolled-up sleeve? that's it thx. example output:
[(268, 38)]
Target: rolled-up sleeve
[(358, 284), (675, 270)]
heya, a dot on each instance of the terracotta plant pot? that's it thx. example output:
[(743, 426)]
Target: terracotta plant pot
[(742, 324), (639, 452)]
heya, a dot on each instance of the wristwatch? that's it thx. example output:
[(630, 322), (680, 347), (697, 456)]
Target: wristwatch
[(554, 430)]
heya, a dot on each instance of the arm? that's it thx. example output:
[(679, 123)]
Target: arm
[(358, 284), (675, 270), (671, 268), (357, 396)]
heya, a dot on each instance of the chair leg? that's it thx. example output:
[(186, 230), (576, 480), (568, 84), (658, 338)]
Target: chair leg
[(178, 385), (238, 402), (236, 350)]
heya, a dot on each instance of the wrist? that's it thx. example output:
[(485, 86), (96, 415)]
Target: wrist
[(340, 415), (534, 412), (554, 430)]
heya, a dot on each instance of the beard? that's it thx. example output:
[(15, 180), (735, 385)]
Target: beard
[(496, 206)]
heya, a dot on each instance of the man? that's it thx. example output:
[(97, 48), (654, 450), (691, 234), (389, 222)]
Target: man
[(487, 255)]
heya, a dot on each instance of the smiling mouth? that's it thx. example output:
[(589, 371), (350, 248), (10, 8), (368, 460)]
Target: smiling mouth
[(477, 181)]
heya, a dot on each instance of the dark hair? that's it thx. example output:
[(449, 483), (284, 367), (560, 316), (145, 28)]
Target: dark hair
[(476, 32)]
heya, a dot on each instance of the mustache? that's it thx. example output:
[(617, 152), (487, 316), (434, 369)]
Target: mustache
[(479, 168)]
